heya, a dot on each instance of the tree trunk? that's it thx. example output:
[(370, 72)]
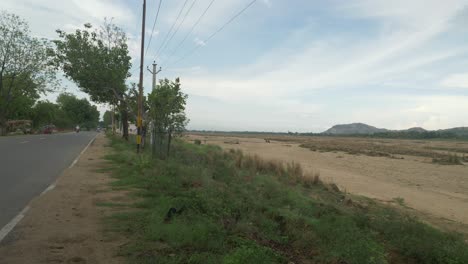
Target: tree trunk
[(124, 118), (3, 126), (169, 139), (153, 140), (113, 119)]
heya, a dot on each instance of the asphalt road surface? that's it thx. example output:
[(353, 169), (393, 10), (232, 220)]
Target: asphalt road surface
[(29, 164)]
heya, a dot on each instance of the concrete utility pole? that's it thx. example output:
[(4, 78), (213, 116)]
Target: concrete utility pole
[(140, 88), (153, 72)]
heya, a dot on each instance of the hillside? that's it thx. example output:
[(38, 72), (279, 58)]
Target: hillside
[(459, 131), (364, 129), (414, 129), (354, 128)]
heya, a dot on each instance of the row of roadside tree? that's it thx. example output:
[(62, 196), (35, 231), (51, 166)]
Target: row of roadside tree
[(97, 60)]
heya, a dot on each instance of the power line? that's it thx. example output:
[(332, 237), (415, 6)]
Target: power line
[(216, 32), (154, 25), (134, 70), (178, 27), (172, 27), (191, 30)]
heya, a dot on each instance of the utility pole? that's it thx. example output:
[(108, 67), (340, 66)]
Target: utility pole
[(153, 133), (140, 88), (154, 72)]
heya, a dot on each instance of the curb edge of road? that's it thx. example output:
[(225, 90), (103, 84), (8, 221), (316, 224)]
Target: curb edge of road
[(5, 230)]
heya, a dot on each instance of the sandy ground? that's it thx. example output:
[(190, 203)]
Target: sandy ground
[(438, 193), (65, 224)]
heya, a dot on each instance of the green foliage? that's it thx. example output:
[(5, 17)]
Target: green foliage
[(25, 71), (167, 112), (252, 254), (227, 209), (132, 100), (107, 119), (97, 60), (167, 103), (45, 113), (68, 112), (421, 242), (79, 111)]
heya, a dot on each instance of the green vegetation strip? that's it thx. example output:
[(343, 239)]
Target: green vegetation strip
[(203, 205)]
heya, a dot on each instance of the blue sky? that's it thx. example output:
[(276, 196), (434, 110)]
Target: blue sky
[(295, 65)]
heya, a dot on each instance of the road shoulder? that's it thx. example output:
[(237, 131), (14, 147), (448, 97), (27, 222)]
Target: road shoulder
[(65, 224)]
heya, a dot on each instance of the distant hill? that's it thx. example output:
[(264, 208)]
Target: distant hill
[(415, 132), (414, 129), (354, 129), (459, 131)]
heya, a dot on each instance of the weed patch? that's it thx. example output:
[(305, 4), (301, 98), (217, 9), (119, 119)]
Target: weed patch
[(203, 205)]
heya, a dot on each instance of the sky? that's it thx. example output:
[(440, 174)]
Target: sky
[(302, 65)]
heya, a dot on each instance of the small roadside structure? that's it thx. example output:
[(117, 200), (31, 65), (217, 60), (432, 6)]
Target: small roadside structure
[(19, 126)]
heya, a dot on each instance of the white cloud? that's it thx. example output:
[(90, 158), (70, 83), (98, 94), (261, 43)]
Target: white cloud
[(199, 42), (405, 47), (456, 81), (267, 3), (98, 9)]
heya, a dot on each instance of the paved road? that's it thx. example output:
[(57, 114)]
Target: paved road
[(29, 164)]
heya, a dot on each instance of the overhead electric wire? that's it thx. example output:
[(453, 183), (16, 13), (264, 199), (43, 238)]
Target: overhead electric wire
[(172, 27), (134, 70), (180, 24), (154, 25), (191, 30), (216, 32)]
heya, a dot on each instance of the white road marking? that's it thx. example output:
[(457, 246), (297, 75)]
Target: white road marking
[(50, 188), (83, 151), (23, 142), (8, 227)]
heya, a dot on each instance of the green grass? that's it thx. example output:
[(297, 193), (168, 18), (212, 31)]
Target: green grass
[(228, 207)]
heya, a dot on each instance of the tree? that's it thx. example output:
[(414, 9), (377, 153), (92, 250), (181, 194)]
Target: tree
[(107, 119), (79, 111), (132, 100), (167, 111), (45, 113), (98, 62), (25, 68)]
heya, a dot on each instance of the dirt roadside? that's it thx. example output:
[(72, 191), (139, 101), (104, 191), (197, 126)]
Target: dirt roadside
[(65, 224)]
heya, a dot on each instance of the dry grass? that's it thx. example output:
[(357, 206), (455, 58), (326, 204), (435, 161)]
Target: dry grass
[(293, 171), (233, 142), (449, 159), (387, 148)]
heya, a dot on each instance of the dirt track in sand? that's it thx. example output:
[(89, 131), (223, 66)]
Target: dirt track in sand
[(65, 224), (438, 193)]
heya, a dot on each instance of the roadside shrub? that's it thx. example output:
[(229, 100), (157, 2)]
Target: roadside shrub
[(252, 254), (203, 205), (309, 180)]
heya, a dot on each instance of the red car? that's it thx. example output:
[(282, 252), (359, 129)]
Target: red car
[(48, 129)]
